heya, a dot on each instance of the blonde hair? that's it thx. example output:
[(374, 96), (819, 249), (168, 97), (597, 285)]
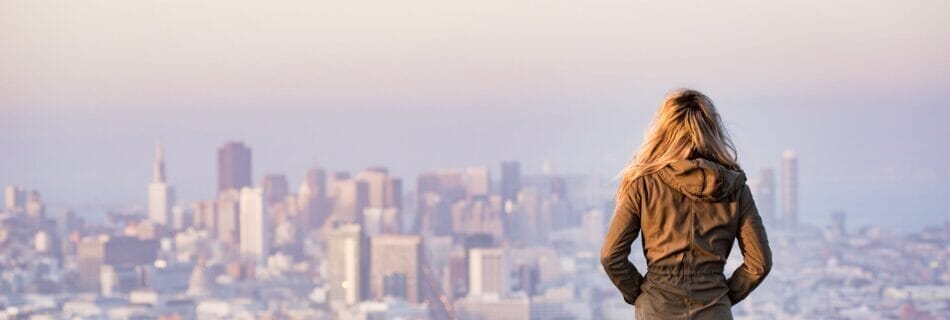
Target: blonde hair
[(686, 126)]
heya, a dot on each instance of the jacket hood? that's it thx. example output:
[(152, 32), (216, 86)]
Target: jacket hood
[(702, 179)]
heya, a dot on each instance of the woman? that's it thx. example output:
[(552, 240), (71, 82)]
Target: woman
[(685, 192)]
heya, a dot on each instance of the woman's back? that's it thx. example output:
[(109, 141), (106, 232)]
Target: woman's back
[(689, 211)]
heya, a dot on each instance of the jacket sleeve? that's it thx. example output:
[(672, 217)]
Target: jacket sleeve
[(756, 254), (624, 227)]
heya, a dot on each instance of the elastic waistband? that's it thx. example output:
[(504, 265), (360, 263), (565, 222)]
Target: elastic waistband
[(679, 270)]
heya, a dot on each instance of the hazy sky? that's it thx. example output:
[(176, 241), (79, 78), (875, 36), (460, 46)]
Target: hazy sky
[(858, 88)]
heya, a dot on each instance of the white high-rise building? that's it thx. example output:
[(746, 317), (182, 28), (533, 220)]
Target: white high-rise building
[(789, 189), (254, 231), (348, 261), (487, 272), (14, 197), (161, 196)]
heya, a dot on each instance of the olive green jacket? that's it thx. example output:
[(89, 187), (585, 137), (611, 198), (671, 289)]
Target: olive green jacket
[(689, 213)]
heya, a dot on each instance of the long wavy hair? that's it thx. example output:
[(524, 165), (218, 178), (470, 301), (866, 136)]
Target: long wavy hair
[(687, 126)]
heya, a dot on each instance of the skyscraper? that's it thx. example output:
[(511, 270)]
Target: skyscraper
[(311, 200), (275, 188), (351, 198), (477, 182), (510, 183), (316, 180), (254, 234), (763, 191), (789, 189), (161, 196), (347, 258), (90, 255), (487, 272), (14, 197), (228, 207), (395, 267), (377, 187), (234, 166)]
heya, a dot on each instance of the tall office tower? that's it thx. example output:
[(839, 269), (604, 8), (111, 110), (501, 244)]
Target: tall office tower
[(312, 200), (531, 218), (556, 213), (34, 206), (432, 217), (228, 208), (335, 180), (510, 183), (396, 267), (234, 166), (789, 189), (384, 193), (487, 272), (205, 213), (254, 235), (14, 197), (377, 187), (316, 180), (351, 198), (161, 196), (347, 262), (394, 193), (763, 190), (182, 217), (477, 182), (90, 255), (275, 188)]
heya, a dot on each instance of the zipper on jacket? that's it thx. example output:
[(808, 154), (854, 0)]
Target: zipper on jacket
[(689, 251)]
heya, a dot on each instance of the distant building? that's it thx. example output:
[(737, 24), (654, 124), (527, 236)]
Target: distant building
[(510, 183), (376, 180), (118, 279), (234, 166), (382, 191), (227, 210), (161, 196), (316, 180), (90, 254), (352, 196), (275, 188), (14, 198), (477, 182), (347, 254), (205, 215), (789, 189), (35, 208), (254, 234), (129, 251), (395, 267), (312, 200), (487, 272)]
